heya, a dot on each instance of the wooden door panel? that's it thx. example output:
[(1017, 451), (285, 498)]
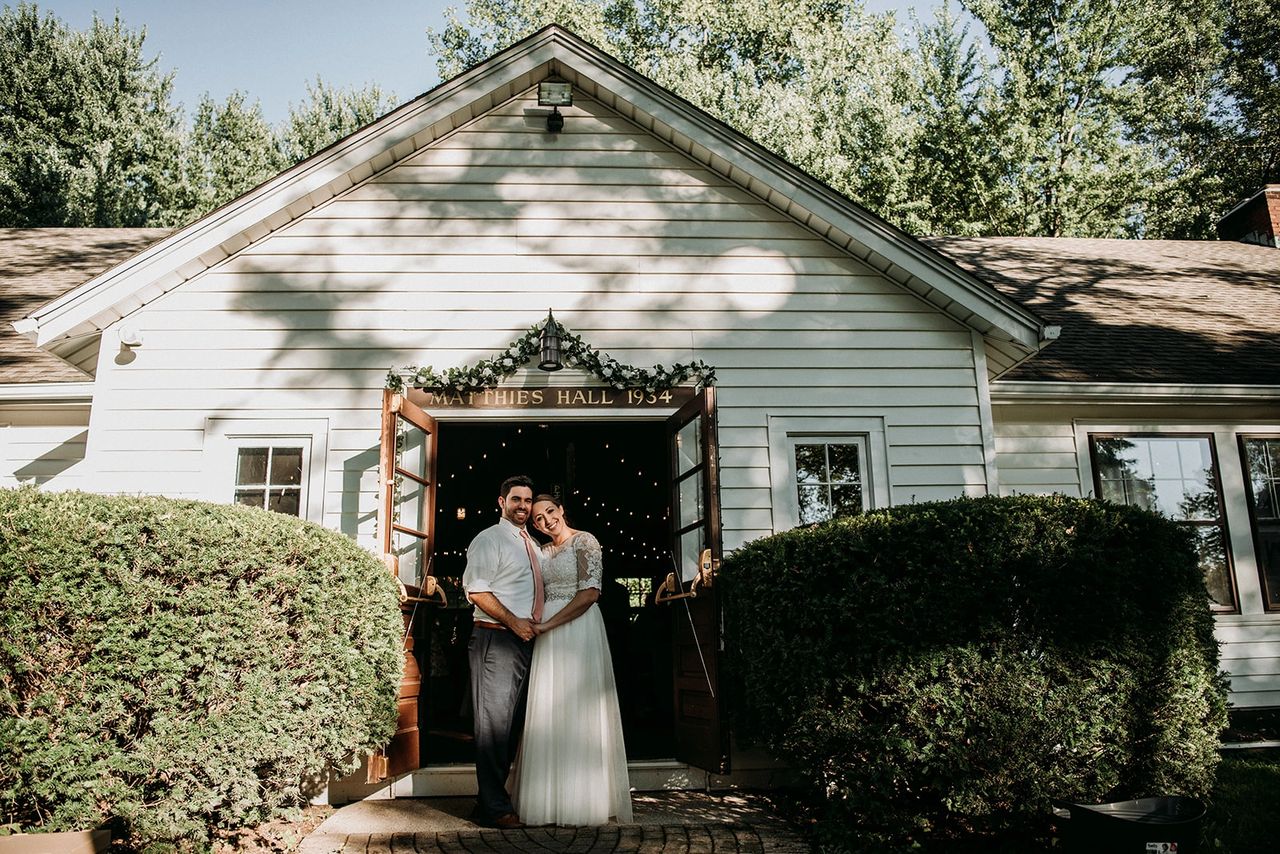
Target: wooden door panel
[(399, 536), (700, 731)]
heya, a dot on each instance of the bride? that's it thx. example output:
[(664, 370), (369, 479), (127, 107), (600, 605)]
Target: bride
[(572, 767)]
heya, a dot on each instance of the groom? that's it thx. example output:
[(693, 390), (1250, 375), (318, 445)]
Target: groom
[(503, 579)]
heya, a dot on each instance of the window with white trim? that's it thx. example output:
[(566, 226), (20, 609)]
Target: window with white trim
[(276, 464), (825, 466), (1176, 475)]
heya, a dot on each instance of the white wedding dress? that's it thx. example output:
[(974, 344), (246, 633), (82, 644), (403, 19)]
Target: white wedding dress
[(572, 766)]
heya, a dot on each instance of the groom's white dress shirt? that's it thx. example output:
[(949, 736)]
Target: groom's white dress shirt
[(498, 563)]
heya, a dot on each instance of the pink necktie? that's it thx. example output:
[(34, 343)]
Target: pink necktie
[(536, 566)]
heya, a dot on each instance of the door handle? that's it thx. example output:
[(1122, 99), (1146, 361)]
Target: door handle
[(431, 590), (671, 589)]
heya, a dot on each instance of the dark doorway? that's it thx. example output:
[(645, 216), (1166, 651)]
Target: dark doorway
[(614, 479)]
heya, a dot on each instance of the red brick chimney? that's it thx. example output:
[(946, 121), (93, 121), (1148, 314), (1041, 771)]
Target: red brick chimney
[(1255, 220)]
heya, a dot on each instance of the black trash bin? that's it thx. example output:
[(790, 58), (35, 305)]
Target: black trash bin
[(1168, 825)]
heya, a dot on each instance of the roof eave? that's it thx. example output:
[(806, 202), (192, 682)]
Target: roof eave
[(280, 200), (880, 244), (900, 257), (1050, 392)]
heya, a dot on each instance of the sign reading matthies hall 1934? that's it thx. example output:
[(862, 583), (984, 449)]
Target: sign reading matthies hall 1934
[(552, 398)]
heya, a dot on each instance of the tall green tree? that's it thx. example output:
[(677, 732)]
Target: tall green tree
[(88, 136), (327, 115), (231, 149), (1252, 37), (1071, 165), (823, 84), (953, 159)]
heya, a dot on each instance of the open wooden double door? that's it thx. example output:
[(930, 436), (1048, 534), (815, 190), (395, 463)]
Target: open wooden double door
[(406, 516)]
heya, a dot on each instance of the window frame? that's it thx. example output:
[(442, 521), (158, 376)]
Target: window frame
[(1241, 438), (224, 437), (271, 446), (1229, 553), (786, 432), (858, 440)]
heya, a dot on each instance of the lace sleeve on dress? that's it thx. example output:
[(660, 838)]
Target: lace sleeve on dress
[(590, 562)]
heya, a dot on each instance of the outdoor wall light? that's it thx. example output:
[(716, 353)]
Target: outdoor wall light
[(555, 94), (550, 360), (130, 336)]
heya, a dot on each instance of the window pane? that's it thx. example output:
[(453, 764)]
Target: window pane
[(1269, 555), (691, 546), (1173, 475), (689, 446), (811, 464), (844, 464), (286, 466), (409, 551), (1195, 457), (1262, 456), (251, 466), (1121, 459), (1165, 460), (412, 446), (1264, 471), (846, 499), (284, 501), (814, 506), (251, 497), (690, 500), (1211, 550)]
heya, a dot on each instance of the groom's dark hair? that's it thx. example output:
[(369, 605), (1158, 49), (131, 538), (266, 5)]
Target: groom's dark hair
[(514, 481)]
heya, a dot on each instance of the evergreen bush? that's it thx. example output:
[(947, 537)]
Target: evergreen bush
[(177, 668), (944, 670)]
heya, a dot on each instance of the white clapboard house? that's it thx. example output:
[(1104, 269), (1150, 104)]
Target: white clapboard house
[(245, 358)]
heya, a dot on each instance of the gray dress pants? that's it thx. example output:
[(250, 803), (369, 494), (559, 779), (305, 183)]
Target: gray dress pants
[(499, 670)]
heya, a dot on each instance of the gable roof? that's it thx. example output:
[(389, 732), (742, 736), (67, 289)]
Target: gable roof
[(41, 264), (1013, 333), (1139, 311)]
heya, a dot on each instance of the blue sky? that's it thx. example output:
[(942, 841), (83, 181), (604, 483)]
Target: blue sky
[(272, 48)]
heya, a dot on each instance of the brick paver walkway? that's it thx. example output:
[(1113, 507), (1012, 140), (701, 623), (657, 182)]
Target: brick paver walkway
[(774, 838), (665, 823)]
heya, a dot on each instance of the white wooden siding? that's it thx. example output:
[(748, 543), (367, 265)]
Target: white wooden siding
[(448, 256), (1037, 458), (43, 444)]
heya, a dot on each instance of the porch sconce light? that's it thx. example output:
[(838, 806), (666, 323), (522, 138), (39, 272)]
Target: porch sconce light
[(550, 360), (555, 94), (130, 337)]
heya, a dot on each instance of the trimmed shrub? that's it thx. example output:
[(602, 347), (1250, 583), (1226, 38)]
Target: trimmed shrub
[(944, 670), (177, 668)]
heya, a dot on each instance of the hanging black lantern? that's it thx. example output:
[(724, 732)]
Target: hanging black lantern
[(550, 345)]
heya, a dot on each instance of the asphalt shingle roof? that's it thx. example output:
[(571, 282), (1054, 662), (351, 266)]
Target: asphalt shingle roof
[(37, 265), (1138, 311), (1131, 311)]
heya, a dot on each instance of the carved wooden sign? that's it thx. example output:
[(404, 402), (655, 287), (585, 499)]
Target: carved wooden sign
[(567, 397)]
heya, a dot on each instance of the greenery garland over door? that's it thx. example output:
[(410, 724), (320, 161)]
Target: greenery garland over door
[(488, 373)]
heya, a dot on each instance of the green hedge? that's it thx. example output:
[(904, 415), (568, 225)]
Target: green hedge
[(175, 669), (944, 670)]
